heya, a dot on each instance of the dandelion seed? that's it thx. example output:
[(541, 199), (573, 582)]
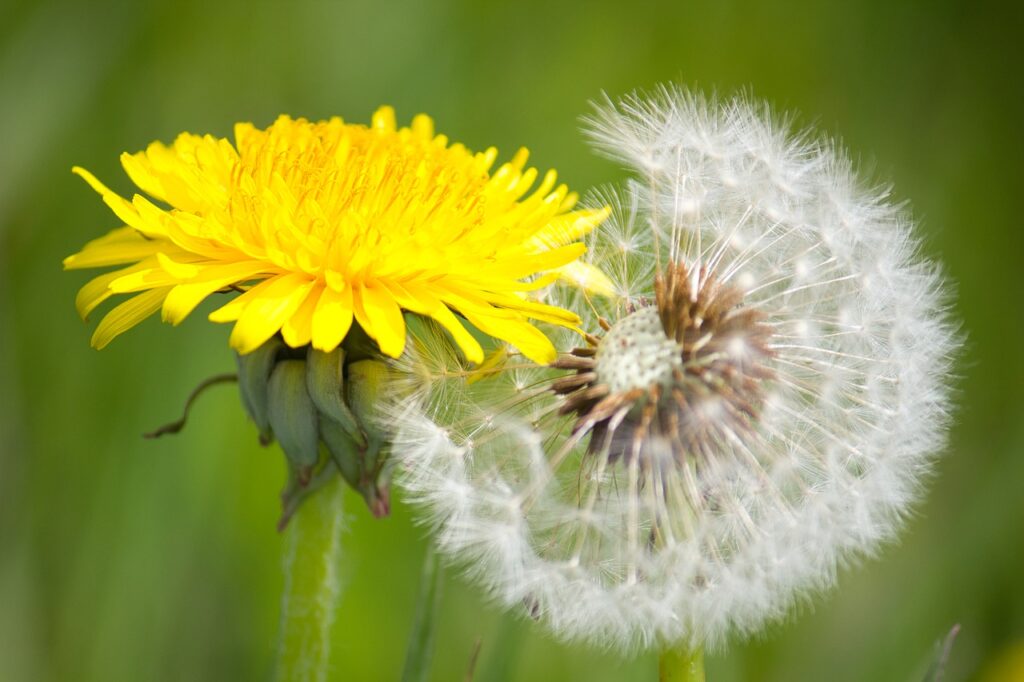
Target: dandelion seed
[(754, 408)]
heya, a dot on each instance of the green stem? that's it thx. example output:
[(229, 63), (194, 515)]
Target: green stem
[(681, 666), (312, 586), (424, 625)]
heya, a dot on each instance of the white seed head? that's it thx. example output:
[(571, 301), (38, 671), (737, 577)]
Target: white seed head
[(762, 410)]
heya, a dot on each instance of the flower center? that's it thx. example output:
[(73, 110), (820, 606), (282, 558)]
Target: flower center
[(687, 372), (635, 353)]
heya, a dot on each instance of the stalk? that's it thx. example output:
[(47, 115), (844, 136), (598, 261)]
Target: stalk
[(681, 666), (312, 557)]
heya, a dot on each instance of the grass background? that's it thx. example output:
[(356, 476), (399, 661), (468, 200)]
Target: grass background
[(124, 559)]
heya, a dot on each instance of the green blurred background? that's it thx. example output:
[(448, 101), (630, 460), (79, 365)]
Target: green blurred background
[(125, 559)]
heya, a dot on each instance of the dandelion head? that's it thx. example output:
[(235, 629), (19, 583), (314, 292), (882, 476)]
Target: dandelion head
[(754, 407), (319, 225), (330, 239)]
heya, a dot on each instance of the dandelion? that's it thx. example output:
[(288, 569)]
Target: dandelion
[(754, 408), (320, 224), (330, 239), (332, 234)]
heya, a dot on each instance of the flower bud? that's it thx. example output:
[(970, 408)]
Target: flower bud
[(317, 405)]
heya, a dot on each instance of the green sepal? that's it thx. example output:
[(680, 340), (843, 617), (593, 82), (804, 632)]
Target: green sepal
[(345, 453), (326, 384), (292, 416), (366, 381), (253, 375), (365, 391)]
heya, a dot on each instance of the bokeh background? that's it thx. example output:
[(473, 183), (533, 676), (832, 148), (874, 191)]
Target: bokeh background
[(125, 559)]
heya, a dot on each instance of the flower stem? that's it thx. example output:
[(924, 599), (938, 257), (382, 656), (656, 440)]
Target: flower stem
[(681, 665), (421, 640), (311, 586)]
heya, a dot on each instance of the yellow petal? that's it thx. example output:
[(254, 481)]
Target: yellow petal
[(123, 245), (519, 266), (466, 341), (122, 208), (418, 299), (423, 126), (177, 269), (587, 277), (359, 313), (268, 310), (191, 175), (489, 366), (127, 315), (184, 298), (93, 181), (384, 322), (245, 134), (529, 340), (384, 119), (537, 311), (140, 171), (97, 290), (506, 306), (332, 318), (233, 309), (570, 227), (298, 329), (148, 278), (540, 282), (504, 324)]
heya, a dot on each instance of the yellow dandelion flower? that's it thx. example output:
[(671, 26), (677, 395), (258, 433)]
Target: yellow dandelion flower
[(320, 225)]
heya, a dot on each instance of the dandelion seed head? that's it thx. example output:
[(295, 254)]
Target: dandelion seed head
[(752, 410)]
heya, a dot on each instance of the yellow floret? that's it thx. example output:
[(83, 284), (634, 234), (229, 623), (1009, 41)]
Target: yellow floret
[(322, 225)]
